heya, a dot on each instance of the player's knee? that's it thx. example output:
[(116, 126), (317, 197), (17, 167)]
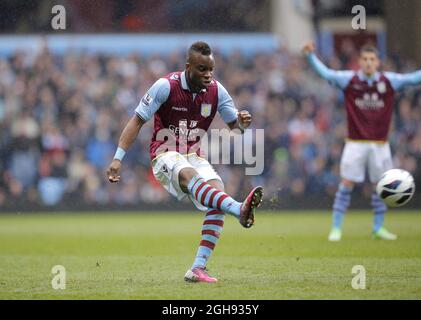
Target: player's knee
[(185, 176), (347, 183), (216, 184)]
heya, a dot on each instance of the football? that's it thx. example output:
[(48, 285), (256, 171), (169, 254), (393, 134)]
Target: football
[(396, 187)]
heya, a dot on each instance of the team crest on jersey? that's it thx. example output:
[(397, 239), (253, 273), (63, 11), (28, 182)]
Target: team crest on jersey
[(205, 110), (147, 99), (174, 77), (381, 87)]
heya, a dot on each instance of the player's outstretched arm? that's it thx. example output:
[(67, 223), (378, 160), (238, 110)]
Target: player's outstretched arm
[(128, 136), (338, 78), (400, 81), (318, 66), (149, 104)]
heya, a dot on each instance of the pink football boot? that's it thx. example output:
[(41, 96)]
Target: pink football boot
[(253, 200), (199, 274)]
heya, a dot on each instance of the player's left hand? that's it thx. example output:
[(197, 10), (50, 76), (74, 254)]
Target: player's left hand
[(244, 118), (113, 171)]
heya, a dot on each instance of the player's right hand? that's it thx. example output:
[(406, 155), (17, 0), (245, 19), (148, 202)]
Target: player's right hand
[(309, 47), (113, 171)]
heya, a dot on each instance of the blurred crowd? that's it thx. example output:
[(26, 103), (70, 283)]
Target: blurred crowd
[(137, 16), (61, 116)]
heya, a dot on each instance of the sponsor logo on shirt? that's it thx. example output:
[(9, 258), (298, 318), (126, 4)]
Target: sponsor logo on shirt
[(179, 108), (193, 123), (183, 128), (183, 123), (369, 102), (147, 99)]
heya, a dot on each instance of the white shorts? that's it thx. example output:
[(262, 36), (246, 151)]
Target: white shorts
[(357, 156), (167, 166)]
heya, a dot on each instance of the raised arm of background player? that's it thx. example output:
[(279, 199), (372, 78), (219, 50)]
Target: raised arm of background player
[(151, 102), (341, 78)]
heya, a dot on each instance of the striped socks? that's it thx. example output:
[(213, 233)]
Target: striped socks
[(211, 230), (340, 205), (213, 198), (379, 209)]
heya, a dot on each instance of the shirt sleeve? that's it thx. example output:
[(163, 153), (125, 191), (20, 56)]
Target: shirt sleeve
[(153, 99), (226, 107), (339, 79), (399, 80)]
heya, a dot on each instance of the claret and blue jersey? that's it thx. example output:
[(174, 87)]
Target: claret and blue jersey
[(368, 101), (172, 105)]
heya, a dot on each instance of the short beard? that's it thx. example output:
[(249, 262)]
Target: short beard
[(194, 86)]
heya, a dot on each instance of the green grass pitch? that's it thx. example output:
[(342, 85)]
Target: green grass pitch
[(145, 256)]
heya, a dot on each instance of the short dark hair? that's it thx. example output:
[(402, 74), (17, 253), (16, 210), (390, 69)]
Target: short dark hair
[(199, 47), (369, 48)]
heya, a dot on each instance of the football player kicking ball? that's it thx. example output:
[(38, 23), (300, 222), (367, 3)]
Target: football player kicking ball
[(369, 96), (184, 104)]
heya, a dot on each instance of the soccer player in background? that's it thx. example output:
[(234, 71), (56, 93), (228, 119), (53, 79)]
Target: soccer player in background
[(184, 104), (369, 96)]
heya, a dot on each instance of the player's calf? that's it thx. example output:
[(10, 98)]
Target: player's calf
[(213, 198), (209, 196)]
